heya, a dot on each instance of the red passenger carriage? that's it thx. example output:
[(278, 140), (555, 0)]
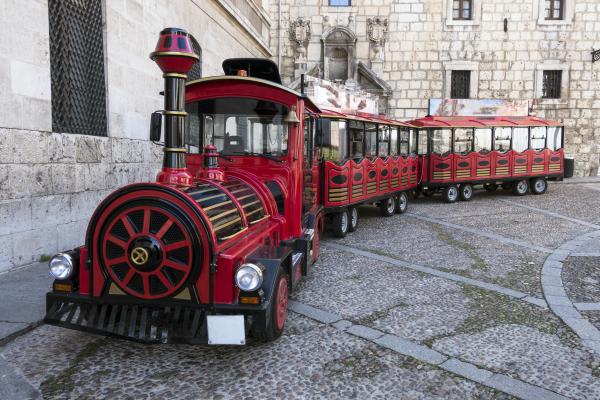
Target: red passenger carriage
[(519, 152)]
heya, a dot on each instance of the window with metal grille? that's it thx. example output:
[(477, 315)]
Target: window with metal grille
[(77, 67), (196, 71), (462, 9), (551, 84), (340, 3), (554, 9), (460, 84)]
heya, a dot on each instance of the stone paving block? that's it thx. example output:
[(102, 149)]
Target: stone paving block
[(552, 264), (559, 301), (551, 280), (555, 291), (587, 306), (521, 389), (342, 325), (314, 313), (551, 272), (406, 347), (565, 311), (14, 386), (467, 370), (364, 332), (534, 300), (583, 328)]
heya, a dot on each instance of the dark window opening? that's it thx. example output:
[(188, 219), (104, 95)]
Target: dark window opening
[(552, 81), (462, 10), (77, 67), (554, 9), (460, 84), (196, 71)]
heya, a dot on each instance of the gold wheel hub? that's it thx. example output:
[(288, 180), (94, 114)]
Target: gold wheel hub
[(139, 256)]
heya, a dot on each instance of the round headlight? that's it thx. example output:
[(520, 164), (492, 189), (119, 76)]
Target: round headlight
[(61, 266), (249, 277)]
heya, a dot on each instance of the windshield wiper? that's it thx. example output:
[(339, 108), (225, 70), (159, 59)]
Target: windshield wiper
[(268, 156)]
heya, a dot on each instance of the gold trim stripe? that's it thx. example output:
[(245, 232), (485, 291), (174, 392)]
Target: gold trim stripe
[(174, 75), (235, 234), (175, 149), (254, 212), (226, 224), (221, 215), (173, 53), (217, 205), (175, 113), (337, 190)]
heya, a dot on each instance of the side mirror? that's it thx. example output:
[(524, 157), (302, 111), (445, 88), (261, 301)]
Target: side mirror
[(155, 126)]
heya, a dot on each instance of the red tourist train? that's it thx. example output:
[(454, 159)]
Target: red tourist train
[(519, 152), (252, 173)]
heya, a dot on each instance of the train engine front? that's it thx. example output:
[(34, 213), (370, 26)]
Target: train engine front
[(205, 254)]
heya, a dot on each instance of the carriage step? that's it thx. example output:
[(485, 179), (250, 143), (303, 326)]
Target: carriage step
[(172, 324)]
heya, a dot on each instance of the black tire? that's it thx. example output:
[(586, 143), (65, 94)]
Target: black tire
[(490, 187), (466, 191), (520, 188), (269, 329), (387, 207), (450, 194), (353, 219), (401, 203), (507, 186), (538, 185), (340, 224)]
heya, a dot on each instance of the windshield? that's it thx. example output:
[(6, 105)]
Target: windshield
[(237, 126)]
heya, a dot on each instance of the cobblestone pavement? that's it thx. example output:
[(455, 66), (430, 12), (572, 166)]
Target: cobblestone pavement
[(459, 301)]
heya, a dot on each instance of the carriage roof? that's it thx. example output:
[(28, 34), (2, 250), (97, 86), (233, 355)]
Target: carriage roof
[(361, 117), (481, 122)]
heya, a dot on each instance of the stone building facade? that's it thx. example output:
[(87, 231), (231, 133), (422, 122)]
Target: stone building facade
[(406, 50), (51, 180)]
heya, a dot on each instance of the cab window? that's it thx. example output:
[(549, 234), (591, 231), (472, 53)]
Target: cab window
[(383, 140), (483, 140), (554, 137), (463, 140), (356, 139), (404, 141), (538, 137), (502, 139), (334, 131), (520, 139), (393, 140), (422, 142), (413, 145), (370, 140), (440, 141)]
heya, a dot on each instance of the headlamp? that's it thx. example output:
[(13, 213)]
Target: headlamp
[(61, 266), (249, 277)]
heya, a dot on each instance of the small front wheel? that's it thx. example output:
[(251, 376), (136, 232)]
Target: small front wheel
[(274, 322), (539, 185), (341, 224), (353, 219), (466, 191), (401, 203), (388, 207), (450, 194), (520, 188)]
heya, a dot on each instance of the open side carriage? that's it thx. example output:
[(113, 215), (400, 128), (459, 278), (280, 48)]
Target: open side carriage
[(520, 153)]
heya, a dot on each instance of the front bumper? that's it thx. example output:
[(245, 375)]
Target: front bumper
[(175, 322)]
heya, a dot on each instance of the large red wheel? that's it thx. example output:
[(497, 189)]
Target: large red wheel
[(147, 252)]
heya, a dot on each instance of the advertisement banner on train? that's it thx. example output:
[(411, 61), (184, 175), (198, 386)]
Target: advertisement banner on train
[(336, 97), (476, 107)]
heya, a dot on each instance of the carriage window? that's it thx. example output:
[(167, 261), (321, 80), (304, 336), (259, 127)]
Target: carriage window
[(538, 137), (370, 140), (483, 140), (404, 143), (238, 126), (413, 141), (502, 139), (440, 140), (192, 124), (356, 139), (383, 141), (393, 140), (336, 131), (422, 142), (554, 137), (463, 140), (520, 141)]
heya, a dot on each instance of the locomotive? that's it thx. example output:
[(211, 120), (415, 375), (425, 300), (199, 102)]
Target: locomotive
[(210, 252)]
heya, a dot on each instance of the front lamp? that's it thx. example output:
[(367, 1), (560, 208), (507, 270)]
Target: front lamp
[(61, 266), (249, 277)]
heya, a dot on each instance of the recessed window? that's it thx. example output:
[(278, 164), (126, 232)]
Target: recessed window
[(554, 9), (462, 9), (460, 84), (551, 84), (340, 3), (77, 67)]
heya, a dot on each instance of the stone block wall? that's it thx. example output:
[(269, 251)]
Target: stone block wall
[(424, 44)]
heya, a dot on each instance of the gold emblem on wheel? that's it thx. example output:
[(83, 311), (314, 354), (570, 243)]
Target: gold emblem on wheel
[(139, 256)]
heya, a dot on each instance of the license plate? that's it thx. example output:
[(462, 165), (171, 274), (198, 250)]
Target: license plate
[(226, 329)]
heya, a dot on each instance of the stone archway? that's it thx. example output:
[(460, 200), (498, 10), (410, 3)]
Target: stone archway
[(339, 54)]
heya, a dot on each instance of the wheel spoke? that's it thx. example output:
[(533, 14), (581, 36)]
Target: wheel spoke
[(175, 265), (175, 246), (164, 280), (161, 232), (146, 225), (117, 241), (115, 261), (128, 226), (146, 283), (128, 277)]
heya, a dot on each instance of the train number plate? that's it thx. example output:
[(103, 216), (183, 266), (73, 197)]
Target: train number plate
[(226, 329)]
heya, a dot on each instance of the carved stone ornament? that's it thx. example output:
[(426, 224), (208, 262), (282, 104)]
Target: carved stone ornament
[(300, 36), (377, 29)]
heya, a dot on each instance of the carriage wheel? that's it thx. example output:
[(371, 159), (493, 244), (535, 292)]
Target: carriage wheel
[(520, 188), (341, 224), (353, 219), (401, 203), (450, 194), (147, 252), (388, 207), (539, 185), (466, 191)]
